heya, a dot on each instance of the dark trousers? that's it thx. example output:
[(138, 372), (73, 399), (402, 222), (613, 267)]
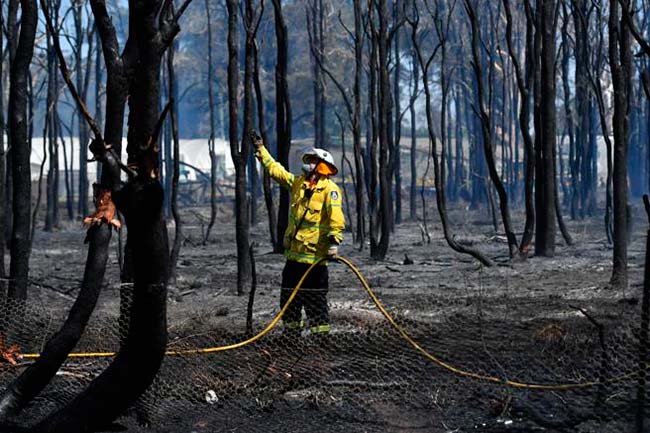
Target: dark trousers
[(312, 294)]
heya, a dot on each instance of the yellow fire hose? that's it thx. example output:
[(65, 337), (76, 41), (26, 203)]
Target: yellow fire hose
[(399, 329)]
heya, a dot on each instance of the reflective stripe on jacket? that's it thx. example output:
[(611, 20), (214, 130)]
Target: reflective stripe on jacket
[(313, 221)]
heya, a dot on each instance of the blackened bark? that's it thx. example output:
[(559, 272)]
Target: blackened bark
[(239, 154), (83, 80), (575, 152), (52, 185), (384, 118), (34, 379), (3, 161), (344, 161), (173, 117), (266, 181), (558, 208), (20, 152), (98, 87), (459, 170), (135, 366), (372, 131), (141, 201), (596, 85), (250, 26), (545, 164), (583, 108), (67, 169), (415, 80), (424, 65), (283, 118), (211, 149), (620, 60), (397, 115), (315, 28), (38, 375), (356, 124), (487, 136), (524, 82), (12, 43)]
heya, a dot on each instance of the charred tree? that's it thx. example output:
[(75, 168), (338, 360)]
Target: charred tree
[(356, 124), (3, 159), (594, 71), (52, 188), (266, 182), (283, 118), (173, 117), (141, 201), (485, 119), (415, 83), (315, 27), (353, 108), (34, 379), (211, 139), (397, 70), (12, 45), (584, 101), (545, 143), (620, 62), (240, 154), (379, 249), (20, 152), (425, 63), (524, 83), (83, 84)]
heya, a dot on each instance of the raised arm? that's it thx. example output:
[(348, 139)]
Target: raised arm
[(274, 168)]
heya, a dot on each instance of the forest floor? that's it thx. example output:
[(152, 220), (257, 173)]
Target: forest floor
[(534, 321)]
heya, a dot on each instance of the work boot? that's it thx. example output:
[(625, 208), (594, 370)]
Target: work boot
[(319, 336)]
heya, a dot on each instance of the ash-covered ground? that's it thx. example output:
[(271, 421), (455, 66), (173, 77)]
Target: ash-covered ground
[(543, 321)]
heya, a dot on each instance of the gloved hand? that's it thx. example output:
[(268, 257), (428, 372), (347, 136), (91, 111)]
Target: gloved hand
[(256, 140), (333, 251)]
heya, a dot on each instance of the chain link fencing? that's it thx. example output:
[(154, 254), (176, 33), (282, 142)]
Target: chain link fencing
[(432, 361)]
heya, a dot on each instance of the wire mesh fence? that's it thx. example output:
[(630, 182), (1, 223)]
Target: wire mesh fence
[(430, 361)]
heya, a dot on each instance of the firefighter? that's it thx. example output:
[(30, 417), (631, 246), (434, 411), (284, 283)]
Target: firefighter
[(315, 231)]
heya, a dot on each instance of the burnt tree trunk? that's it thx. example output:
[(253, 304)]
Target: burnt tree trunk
[(524, 82), (596, 84), (239, 153), (397, 70), (12, 45), (20, 153), (283, 118), (141, 201), (384, 117), (545, 163), (173, 117), (82, 86), (356, 124), (316, 11), (485, 119), (3, 160), (266, 182), (438, 164), (211, 147), (575, 152), (583, 111), (415, 79), (620, 61), (52, 185)]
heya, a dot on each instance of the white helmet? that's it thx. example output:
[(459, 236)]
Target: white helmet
[(323, 155)]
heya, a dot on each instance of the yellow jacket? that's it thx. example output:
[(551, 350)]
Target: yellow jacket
[(314, 222)]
